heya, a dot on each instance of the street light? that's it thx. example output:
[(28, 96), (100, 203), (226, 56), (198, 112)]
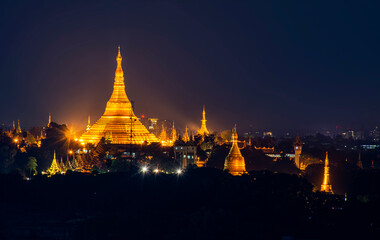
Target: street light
[(144, 169)]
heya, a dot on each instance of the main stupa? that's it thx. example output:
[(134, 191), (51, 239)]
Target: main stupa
[(118, 124)]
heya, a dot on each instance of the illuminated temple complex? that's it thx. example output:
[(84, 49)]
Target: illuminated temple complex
[(234, 162), (118, 120)]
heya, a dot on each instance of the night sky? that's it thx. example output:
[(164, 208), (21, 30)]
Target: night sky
[(289, 65)]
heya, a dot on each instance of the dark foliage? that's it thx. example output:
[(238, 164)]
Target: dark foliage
[(203, 203)]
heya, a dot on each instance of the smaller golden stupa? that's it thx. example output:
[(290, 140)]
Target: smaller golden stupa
[(234, 162), (326, 185), (203, 130), (173, 135), (54, 168), (186, 137)]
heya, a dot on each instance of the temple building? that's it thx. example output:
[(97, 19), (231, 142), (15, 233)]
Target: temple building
[(234, 162), (163, 135), (186, 137), (54, 168), (326, 185), (48, 125), (173, 135), (18, 130), (119, 118), (203, 130), (185, 153)]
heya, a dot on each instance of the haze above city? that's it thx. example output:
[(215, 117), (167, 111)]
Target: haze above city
[(295, 66)]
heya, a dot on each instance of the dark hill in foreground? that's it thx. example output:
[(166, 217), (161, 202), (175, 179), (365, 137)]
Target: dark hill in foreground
[(200, 204)]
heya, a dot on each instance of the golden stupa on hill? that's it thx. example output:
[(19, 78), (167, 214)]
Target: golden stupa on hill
[(234, 162), (118, 120)]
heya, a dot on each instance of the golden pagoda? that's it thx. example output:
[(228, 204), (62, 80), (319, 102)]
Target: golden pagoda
[(18, 130), (48, 125), (186, 137), (54, 168), (173, 135), (163, 135), (118, 117), (326, 185), (234, 161), (203, 130)]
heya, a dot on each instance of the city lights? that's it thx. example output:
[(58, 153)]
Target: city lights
[(289, 147), (144, 169)]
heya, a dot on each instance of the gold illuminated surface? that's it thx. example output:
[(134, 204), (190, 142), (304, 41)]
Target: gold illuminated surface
[(173, 136), (18, 130), (164, 136), (54, 168), (326, 185), (186, 137), (203, 130), (234, 162), (118, 120)]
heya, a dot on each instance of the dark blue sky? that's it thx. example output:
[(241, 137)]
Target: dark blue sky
[(276, 65)]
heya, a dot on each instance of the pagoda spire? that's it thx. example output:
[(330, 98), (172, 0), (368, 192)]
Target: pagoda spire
[(163, 135), (48, 125), (186, 137), (119, 74), (203, 130), (173, 136), (53, 169), (14, 127), (62, 165), (88, 127), (326, 185), (18, 127), (119, 103), (234, 162)]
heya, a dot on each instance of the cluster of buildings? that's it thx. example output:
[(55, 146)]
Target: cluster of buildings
[(120, 126), (61, 167)]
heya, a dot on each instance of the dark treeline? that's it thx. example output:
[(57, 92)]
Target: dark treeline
[(201, 203)]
